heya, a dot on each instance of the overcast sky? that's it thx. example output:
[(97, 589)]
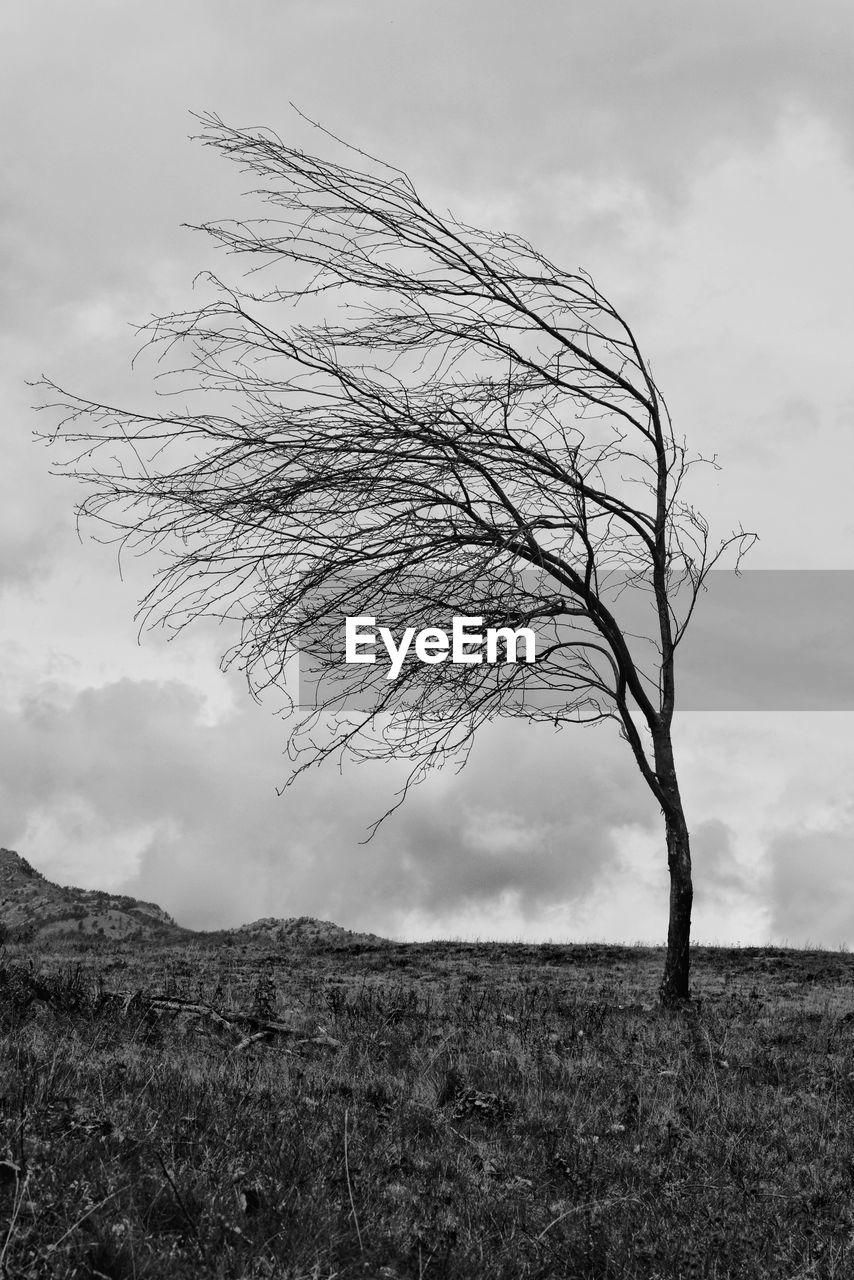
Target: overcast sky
[(698, 160)]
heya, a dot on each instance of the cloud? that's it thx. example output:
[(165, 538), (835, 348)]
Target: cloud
[(534, 814), (812, 886), (99, 174), (720, 875), (26, 555), (192, 811), (133, 786)]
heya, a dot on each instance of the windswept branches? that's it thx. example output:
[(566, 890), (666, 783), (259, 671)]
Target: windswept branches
[(464, 410), (395, 413)]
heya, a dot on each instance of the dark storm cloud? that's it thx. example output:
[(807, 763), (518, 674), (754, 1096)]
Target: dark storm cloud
[(534, 814)]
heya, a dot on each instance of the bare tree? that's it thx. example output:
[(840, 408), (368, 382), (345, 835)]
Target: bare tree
[(415, 419)]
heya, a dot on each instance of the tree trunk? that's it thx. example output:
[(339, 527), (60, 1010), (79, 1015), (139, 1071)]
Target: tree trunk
[(674, 985)]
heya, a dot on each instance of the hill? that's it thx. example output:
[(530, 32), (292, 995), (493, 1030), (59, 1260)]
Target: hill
[(302, 929), (33, 907)]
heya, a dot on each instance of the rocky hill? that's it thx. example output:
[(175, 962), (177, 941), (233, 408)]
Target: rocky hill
[(33, 907), (301, 929)]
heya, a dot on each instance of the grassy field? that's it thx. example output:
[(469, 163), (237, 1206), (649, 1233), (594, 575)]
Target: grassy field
[(443, 1110)]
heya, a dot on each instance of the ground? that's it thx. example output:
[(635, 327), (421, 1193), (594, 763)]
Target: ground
[(254, 1108)]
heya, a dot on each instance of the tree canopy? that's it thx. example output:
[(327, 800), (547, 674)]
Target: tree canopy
[(394, 413)]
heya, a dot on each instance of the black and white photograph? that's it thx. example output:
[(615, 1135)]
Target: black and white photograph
[(426, 616)]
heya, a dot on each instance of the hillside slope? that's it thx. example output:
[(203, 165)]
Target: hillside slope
[(302, 929), (32, 906)]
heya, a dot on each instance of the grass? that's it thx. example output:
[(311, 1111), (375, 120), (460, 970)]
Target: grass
[(443, 1110)]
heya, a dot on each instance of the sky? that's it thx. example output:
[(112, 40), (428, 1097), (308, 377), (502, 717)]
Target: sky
[(698, 161)]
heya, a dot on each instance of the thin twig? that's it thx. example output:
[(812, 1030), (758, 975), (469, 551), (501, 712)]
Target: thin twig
[(592, 1204)]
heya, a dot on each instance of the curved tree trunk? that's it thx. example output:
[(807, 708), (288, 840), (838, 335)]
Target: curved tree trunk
[(674, 985)]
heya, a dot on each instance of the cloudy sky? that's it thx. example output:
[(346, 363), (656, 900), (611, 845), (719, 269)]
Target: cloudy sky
[(698, 160)]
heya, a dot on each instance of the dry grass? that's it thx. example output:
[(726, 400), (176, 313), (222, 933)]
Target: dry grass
[(468, 1112)]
